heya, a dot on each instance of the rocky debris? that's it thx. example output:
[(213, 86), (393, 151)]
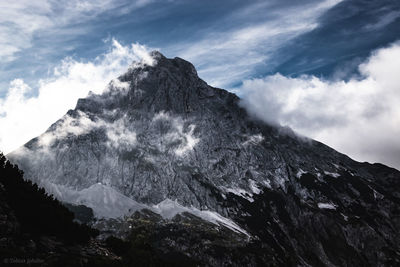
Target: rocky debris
[(186, 240)]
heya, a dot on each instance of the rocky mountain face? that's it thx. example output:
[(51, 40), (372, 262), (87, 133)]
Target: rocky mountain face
[(160, 135)]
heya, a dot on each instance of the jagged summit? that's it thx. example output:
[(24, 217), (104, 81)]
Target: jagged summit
[(161, 61), (161, 133), (156, 54), (164, 85)]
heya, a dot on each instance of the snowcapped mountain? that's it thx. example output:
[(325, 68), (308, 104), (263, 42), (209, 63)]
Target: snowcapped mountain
[(159, 137)]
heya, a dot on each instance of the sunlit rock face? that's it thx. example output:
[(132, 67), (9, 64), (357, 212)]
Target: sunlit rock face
[(159, 132)]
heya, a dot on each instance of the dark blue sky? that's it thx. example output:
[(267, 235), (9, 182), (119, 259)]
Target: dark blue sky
[(346, 35)]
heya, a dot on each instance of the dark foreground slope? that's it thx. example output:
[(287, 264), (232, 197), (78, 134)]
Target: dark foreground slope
[(37, 230), (160, 132)]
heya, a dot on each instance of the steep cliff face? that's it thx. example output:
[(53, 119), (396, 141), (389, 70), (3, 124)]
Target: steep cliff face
[(160, 133)]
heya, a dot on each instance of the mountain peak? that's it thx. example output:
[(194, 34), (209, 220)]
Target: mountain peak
[(156, 54), (156, 60), (162, 62), (164, 85)]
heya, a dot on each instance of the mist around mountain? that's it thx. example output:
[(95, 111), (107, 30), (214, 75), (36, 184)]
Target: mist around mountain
[(173, 166)]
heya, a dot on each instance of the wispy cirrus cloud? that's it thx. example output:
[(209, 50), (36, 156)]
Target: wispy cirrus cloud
[(241, 38), (345, 36), (236, 51), (21, 21)]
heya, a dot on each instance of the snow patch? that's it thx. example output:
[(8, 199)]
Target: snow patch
[(333, 174), (253, 139), (254, 187), (169, 209), (336, 166), (329, 206), (267, 183), (300, 173), (239, 192)]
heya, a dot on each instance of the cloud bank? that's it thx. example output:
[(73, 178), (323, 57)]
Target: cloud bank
[(360, 117), (23, 116)]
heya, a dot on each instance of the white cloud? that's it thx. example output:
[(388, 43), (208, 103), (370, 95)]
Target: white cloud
[(67, 126), (22, 118), (173, 133), (360, 117), (235, 52), (21, 20), (383, 21), (119, 132)]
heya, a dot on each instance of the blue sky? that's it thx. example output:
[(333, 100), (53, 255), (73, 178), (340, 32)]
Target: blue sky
[(233, 44), (307, 36)]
